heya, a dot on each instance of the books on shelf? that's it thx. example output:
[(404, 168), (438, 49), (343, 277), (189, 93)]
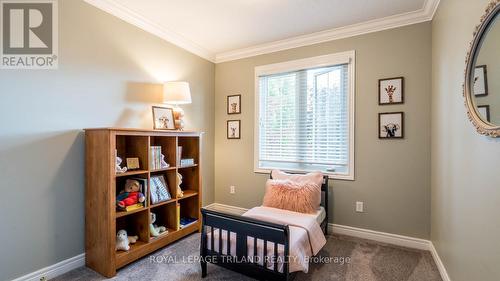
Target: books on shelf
[(134, 207), (159, 190), (178, 222), (155, 157), (187, 221), (179, 155), (187, 162)]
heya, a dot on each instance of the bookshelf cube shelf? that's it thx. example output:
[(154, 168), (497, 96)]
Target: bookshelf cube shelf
[(170, 179), (168, 148), (189, 174), (133, 147), (135, 224), (103, 220), (187, 207), (120, 183), (166, 215)]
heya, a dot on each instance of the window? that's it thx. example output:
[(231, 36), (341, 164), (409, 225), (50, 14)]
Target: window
[(305, 115)]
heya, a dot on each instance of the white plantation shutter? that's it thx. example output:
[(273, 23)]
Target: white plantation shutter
[(304, 120)]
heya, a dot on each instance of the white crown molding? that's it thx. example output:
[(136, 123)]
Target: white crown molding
[(426, 13), (122, 12)]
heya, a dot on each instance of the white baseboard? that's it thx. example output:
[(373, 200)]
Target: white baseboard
[(54, 270), (227, 208), (393, 239), (384, 237), (439, 263)]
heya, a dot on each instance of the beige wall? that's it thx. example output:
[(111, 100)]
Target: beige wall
[(104, 63), (465, 190), (392, 176)]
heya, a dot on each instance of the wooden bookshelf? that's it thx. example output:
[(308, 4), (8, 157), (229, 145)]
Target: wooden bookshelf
[(102, 220)]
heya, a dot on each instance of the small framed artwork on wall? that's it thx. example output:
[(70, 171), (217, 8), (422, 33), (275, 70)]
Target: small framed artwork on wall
[(163, 118), (234, 104), (391, 91), (484, 111), (391, 125), (233, 129), (480, 81)]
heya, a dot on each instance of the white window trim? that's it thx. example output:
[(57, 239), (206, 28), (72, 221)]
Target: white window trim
[(348, 57)]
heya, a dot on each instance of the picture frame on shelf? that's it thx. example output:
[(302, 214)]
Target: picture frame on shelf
[(133, 163), (391, 91), (234, 104), (391, 125), (233, 129), (163, 118), (159, 191)]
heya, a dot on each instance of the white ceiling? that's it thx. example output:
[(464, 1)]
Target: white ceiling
[(222, 30)]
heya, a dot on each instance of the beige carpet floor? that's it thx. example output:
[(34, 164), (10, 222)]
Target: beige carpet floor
[(351, 259)]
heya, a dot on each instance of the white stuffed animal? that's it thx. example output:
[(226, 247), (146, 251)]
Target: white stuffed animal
[(118, 168), (122, 242), (155, 230), (164, 163)]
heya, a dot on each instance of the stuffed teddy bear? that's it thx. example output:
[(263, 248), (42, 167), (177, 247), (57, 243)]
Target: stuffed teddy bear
[(180, 193), (122, 242), (155, 230), (130, 195)]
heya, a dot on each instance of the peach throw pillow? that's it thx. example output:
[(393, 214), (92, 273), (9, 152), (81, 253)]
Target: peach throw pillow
[(292, 196), (311, 178)]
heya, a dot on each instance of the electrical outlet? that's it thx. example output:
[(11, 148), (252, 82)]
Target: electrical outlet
[(232, 189), (359, 207)]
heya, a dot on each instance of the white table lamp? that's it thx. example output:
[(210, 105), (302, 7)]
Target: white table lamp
[(177, 93)]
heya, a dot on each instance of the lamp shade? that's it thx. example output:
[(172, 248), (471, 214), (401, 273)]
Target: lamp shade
[(176, 93)]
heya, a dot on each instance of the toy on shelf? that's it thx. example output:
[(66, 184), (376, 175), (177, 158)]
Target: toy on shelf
[(155, 230), (180, 193), (164, 163), (179, 119), (130, 195), (123, 241), (133, 239), (118, 162)]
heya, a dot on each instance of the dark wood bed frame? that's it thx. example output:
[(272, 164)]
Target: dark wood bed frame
[(213, 221)]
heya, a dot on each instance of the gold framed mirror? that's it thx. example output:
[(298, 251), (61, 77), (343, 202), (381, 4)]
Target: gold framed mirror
[(482, 74)]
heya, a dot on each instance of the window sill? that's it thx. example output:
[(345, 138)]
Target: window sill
[(330, 175)]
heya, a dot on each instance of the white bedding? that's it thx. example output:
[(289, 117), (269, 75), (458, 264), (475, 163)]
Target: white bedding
[(319, 216), (306, 237)]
